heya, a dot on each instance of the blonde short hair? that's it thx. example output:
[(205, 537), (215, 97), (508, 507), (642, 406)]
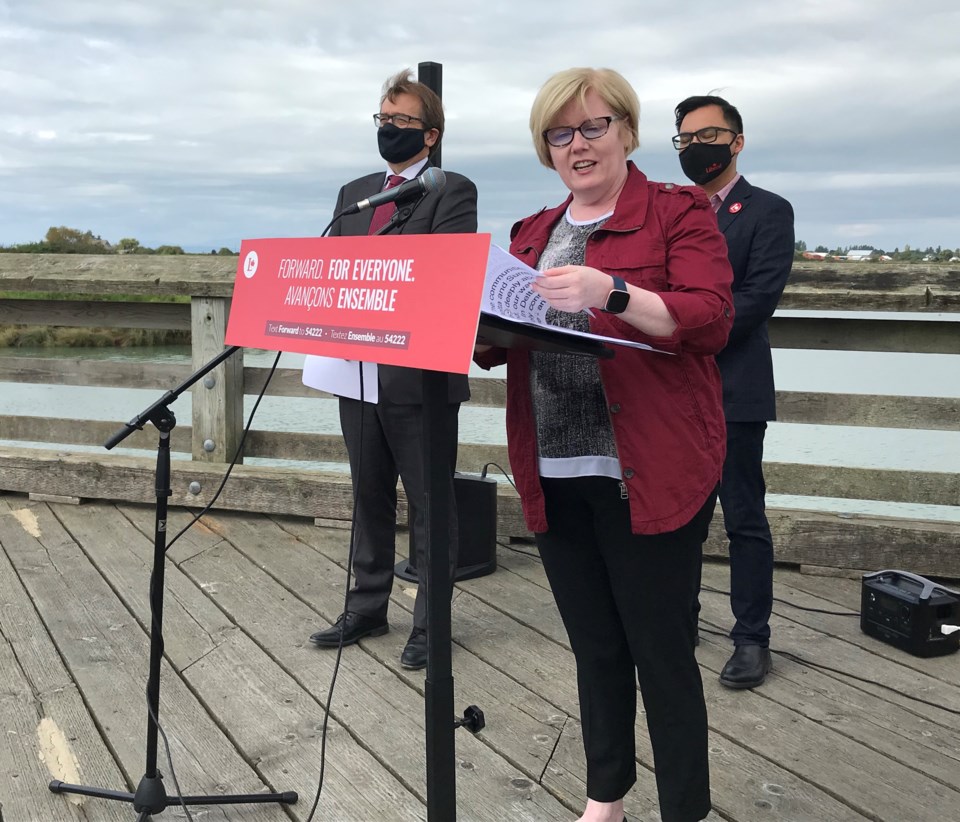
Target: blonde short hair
[(574, 83)]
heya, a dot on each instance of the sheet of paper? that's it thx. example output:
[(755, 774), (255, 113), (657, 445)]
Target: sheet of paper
[(341, 377), (507, 293)]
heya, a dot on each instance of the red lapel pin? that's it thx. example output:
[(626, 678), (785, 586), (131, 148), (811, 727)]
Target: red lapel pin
[(735, 208)]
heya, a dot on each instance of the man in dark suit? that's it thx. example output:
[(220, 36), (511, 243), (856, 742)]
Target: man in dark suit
[(758, 227), (409, 129)]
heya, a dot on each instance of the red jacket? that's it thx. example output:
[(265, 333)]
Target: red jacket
[(666, 409)]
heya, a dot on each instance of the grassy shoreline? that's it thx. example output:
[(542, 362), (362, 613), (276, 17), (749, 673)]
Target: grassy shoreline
[(45, 336)]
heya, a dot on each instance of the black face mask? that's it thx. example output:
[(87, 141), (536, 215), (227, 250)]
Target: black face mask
[(703, 162), (397, 145)]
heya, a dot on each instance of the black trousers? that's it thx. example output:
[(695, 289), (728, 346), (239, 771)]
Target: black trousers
[(392, 446), (625, 601), (743, 499)]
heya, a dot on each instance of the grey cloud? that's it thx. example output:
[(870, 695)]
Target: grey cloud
[(199, 124)]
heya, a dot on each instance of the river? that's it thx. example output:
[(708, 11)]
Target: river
[(796, 370)]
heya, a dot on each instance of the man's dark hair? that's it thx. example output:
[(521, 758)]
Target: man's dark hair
[(730, 113), (430, 104)]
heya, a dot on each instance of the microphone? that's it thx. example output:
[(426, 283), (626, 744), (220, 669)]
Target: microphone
[(432, 180)]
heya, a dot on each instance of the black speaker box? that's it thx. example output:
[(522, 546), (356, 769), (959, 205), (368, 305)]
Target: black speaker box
[(477, 525)]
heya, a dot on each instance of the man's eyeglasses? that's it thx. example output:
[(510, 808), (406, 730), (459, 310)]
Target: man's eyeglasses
[(560, 136), (400, 120), (703, 135)]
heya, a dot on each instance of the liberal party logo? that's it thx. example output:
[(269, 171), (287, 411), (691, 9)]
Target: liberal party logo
[(250, 263)]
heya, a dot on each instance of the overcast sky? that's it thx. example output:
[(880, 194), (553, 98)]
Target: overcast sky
[(200, 123)]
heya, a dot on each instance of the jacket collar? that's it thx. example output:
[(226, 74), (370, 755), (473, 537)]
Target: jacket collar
[(628, 215)]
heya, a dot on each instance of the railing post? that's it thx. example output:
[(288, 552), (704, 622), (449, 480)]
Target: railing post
[(218, 397)]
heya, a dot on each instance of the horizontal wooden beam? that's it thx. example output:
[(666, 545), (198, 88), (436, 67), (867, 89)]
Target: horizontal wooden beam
[(852, 334), (196, 275), (857, 542), (802, 537), (810, 407), (93, 314)]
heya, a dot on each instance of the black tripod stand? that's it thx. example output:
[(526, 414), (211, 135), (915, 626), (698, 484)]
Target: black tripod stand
[(151, 797)]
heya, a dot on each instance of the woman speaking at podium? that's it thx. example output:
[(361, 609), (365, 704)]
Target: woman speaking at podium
[(618, 460)]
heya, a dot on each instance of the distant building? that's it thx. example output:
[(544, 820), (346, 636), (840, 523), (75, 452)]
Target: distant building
[(815, 255), (859, 254)]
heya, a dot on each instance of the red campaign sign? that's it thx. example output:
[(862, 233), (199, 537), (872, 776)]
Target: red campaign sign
[(410, 300)]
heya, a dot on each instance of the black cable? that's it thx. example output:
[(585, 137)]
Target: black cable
[(791, 604), (803, 661), (800, 660), (346, 597), (483, 474), (236, 455), (517, 550)]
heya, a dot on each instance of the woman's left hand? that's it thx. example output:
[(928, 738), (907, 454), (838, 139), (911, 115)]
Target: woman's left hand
[(572, 288)]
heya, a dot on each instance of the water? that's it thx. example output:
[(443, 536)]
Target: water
[(934, 375)]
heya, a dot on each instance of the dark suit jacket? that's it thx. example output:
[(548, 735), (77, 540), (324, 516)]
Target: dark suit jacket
[(453, 210), (758, 227)]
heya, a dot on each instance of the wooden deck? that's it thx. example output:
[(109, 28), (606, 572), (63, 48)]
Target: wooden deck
[(846, 728)]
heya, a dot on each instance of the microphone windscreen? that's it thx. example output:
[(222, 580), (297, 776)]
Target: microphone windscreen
[(433, 180)]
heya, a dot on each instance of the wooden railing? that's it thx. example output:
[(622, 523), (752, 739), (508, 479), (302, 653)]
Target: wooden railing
[(804, 537)]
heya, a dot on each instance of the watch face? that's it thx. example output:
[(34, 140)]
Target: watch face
[(617, 301)]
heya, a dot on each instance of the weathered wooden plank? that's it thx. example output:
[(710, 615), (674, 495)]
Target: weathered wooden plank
[(49, 733), (124, 555), (90, 314), (767, 722), (368, 699), (869, 410), (72, 432), (193, 274), (863, 542), (82, 371), (296, 571), (21, 769), (527, 726), (107, 655), (217, 405), (799, 537), (848, 334), (826, 699), (847, 482), (823, 593), (261, 488)]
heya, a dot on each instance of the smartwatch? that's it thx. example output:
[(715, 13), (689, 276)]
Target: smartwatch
[(619, 298)]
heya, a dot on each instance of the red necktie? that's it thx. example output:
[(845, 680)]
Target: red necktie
[(382, 214)]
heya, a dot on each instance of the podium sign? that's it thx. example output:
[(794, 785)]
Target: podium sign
[(411, 300)]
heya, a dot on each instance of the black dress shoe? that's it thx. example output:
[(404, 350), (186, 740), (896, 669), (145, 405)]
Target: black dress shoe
[(747, 668), (414, 656), (354, 627)]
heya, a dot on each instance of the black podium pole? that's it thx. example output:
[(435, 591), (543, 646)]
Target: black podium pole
[(438, 687)]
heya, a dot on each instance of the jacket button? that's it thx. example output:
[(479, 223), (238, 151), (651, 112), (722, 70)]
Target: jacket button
[(615, 408), (628, 473)]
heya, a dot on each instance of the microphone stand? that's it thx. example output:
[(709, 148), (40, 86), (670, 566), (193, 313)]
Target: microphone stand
[(151, 797)]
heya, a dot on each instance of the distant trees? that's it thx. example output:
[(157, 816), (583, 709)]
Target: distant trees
[(907, 255), (63, 240)]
